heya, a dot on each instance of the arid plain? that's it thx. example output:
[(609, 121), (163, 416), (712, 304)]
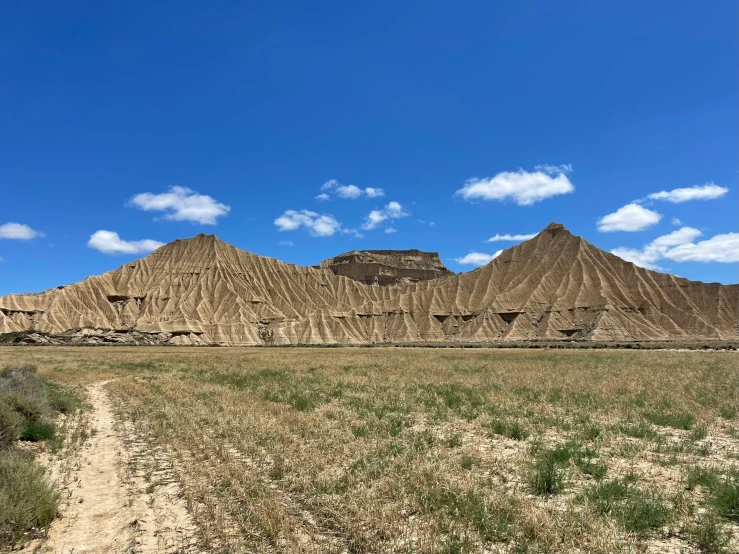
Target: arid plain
[(393, 450)]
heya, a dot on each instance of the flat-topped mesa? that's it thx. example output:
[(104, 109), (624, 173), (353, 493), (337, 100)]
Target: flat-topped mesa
[(387, 267)]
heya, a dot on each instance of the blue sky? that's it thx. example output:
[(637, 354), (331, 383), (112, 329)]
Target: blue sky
[(126, 125)]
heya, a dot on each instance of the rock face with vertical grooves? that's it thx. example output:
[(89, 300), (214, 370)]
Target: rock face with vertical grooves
[(387, 267), (554, 286)]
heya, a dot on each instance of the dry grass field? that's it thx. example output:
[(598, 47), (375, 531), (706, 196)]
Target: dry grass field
[(425, 450)]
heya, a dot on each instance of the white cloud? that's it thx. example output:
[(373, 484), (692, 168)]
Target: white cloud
[(631, 217), (18, 231), (287, 243), (680, 246), (330, 184), (110, 243), (720, 248), (477, 258), (318, 225), (676, 221), (709, 191), (498, 238), (348, 192), (523, 187), (392, 210), (390, 230), (554, 169), (182, 204)]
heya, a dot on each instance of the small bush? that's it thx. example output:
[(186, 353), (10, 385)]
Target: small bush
[(30, 408), (27, 501), (11, 426), (37, 431)]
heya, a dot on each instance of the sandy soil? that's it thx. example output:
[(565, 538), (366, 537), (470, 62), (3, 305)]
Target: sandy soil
[(117, 496)]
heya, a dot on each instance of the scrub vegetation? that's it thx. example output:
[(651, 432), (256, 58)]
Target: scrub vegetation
[(432, 450)]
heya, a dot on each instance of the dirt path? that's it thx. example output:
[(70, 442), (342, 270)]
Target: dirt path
[(118, 496)]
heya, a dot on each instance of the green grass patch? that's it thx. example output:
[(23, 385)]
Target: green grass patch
[(676, 420), (708, 535), (638, 511), (511, 429), (641, 430)]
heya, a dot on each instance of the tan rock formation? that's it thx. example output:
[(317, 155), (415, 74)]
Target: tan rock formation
[(387, 267), (554, 286)]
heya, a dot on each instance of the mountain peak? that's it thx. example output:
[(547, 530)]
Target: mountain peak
[(553, 226)]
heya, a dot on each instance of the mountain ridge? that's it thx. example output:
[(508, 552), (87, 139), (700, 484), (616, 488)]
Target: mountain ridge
[(203, 290)]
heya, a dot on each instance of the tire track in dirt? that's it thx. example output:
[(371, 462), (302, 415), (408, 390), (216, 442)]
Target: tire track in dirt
[(110, 503)]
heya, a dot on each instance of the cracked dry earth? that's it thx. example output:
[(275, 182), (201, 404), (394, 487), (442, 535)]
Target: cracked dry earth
[(117, 495)]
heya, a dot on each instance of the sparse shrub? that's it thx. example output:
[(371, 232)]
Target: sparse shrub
[(592, 432), (277, 471), (11, 425), (671, 419), (722, 491), (727, 412), (491, 521), (30, 408), (697, 475), (637, 510), (698, 433), (724, 496), (547, 477), (708, 534), (644, 511), (640, 430), (467, 462), (27, 501), (512, 430), (454, 440), (36, 431)]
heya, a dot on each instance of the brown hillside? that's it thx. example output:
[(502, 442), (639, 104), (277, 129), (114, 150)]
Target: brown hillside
[(556, 285)]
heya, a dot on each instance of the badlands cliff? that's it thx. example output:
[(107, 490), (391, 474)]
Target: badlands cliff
[(554, 286)]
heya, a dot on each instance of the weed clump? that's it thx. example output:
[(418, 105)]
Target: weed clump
[(513, 430), (637, 510), (708, 535)]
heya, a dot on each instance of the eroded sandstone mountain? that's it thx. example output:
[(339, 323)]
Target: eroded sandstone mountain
[(387, 267), (556, 285)]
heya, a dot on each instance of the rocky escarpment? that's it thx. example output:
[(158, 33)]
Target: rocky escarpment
[(555, 286), (387, 267)]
